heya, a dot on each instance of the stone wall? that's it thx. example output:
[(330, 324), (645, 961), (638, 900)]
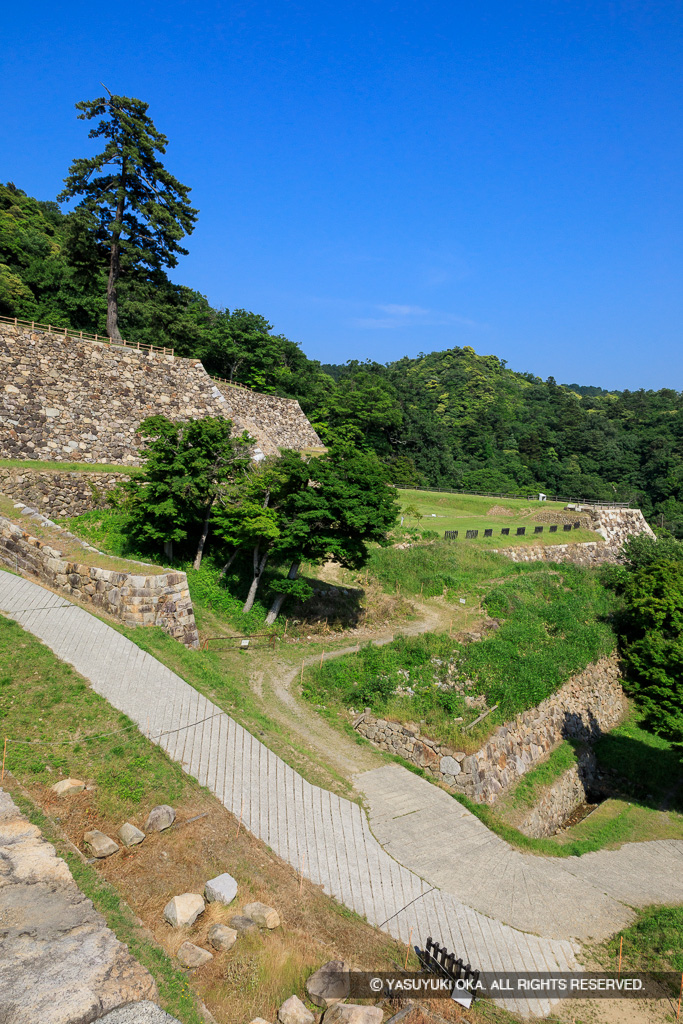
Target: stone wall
[(68, 400), (137, 599), (572, 788), (587, 705), (616, 525), (58, 494)]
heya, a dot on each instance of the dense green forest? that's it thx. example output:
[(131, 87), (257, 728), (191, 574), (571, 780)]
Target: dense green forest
[(447, 419)]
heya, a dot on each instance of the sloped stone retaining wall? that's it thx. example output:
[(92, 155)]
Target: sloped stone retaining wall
[(59, 494), (587, 705), (559, 800), (138, 600), (64, 399), (616, 525)]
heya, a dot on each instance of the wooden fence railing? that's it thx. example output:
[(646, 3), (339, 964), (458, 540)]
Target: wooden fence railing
[(101, 339)]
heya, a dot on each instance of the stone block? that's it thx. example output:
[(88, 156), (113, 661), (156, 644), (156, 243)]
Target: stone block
[(293, 1011), (182, 911), (221, 889), (191, 956), (353, 1013), (130, 835), (264, 916), (221, 937), (329, 984), (100, 845), (66, 787), (160, 817)]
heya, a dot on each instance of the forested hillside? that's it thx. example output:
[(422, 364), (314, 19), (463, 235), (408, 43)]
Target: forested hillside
[(450, 419)]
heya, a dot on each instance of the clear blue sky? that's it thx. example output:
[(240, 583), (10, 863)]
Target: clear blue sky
[(383, 178)]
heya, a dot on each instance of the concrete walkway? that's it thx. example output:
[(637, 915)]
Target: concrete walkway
[(308, 827), (587, 897)]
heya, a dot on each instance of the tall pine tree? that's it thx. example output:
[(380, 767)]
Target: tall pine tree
[(141, 210)]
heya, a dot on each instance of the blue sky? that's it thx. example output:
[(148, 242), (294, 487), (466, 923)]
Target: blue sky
[(384, 178)]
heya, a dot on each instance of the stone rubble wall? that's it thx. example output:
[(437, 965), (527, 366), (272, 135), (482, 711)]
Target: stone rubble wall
[(589, 704), (58, 959), (616, 525), (67, 400), (562, 797), (136, 599), (57, 494)]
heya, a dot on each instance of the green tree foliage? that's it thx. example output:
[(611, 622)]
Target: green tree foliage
[(651, 628), (189, 468), (137, 210)]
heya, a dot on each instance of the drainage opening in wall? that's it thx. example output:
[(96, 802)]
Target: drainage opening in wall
[(582, 810)]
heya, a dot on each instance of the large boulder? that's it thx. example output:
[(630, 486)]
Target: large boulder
[(353, 1013), (130, 835), (184, 910), (192, 956), (221, 889), (329, 984), (100, 845), (264, 916), (293, 1011), (159, 818), (221, 937), (65, 787)]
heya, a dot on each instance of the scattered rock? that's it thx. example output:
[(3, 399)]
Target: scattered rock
[(353, 1013), (221, 937), (184, 910), (101, 845), (265, 917), (65, 787), (190, 955), (329, 984), (259, 1020), (293, 1011), (242, 925), (221, 889), (130, 835), (159, 818)]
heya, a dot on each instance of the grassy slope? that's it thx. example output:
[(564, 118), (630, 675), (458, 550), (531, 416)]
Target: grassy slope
[(464, 512), (68, 467)]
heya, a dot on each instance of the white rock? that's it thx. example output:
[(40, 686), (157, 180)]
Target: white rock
[(130, 835), (184, 910), (101, 845), (449, 766), (264, 916), (191, 956), (67, 786), (293, 1011), (221, 889)]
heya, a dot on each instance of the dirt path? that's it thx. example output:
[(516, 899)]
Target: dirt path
[(277, 684)]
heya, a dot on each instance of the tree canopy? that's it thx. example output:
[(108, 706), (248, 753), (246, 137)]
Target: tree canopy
[(133, 206)]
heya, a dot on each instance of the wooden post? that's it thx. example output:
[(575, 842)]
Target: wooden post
[(679, 999), (239, 823), (410, 939), (621, 946), (3, 760)]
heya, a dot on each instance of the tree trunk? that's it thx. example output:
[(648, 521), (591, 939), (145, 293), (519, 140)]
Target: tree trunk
[(115, 262), (259, 566), (280, 598), (229, 562), (202, 540)]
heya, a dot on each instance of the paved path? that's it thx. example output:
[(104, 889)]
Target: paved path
[(307, 826), (585, 897)]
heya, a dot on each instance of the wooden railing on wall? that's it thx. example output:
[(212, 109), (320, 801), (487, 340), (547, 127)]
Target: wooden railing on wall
[(101, 339)]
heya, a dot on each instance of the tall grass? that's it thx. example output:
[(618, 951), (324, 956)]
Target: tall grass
[(553, 622)]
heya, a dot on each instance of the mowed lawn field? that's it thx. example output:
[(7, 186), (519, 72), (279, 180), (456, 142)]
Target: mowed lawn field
[(464, 512)]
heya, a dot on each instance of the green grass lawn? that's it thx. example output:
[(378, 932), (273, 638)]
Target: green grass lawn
[(464, 512), (67, 467)]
